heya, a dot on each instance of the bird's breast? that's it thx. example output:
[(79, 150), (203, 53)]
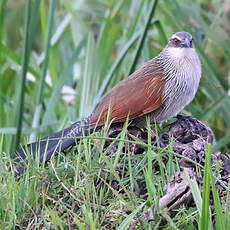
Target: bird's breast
[(182, 81)]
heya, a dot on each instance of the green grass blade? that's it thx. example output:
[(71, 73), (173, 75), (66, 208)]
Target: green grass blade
[(115, 66), (49, 113), (162, 36), (26, 56), (205, 220), (195, 193), (56, 220), (16, 58), (170, 221), (1, 142), (143, 35), (126, 222), (88, 78), (137, 18), (34, 18), (38, 109), (88, 216), (2, 17), (79, 223), (149, 152), (219, 215), (227, 209), (43, 17), (47, 49), (121, 144)]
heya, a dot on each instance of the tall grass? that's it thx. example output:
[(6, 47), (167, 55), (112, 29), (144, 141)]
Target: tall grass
[(90, 46), (112, 25), (202, 203)]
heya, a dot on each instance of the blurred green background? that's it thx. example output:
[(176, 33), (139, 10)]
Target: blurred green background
[(58, 58)]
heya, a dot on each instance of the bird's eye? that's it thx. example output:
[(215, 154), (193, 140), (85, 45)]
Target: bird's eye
[(176, 41)]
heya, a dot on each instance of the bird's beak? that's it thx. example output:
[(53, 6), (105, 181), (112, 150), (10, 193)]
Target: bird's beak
[(186, 43)]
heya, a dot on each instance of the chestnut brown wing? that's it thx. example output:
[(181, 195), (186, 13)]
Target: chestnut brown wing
[(135, 96)]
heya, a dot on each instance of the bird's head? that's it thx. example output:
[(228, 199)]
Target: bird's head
[(181, 40), (181, 48)]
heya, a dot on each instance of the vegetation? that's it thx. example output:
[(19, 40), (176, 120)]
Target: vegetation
[(87, 47)]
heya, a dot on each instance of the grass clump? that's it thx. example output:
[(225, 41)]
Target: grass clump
[(89, 46)]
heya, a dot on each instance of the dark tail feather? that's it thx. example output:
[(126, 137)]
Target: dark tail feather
[(50, 145)]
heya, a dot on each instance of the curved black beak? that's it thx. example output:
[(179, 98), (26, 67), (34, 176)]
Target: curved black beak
[(186, 43)]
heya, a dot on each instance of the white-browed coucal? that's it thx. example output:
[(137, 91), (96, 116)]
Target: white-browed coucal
[(160, 89)]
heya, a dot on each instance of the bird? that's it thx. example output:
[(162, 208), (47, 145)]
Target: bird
[(159, 89)]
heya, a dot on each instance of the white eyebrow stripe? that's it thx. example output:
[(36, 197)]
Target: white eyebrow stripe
[(175, 36)]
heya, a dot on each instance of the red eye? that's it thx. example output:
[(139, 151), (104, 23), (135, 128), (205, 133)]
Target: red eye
[(176, 41)]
